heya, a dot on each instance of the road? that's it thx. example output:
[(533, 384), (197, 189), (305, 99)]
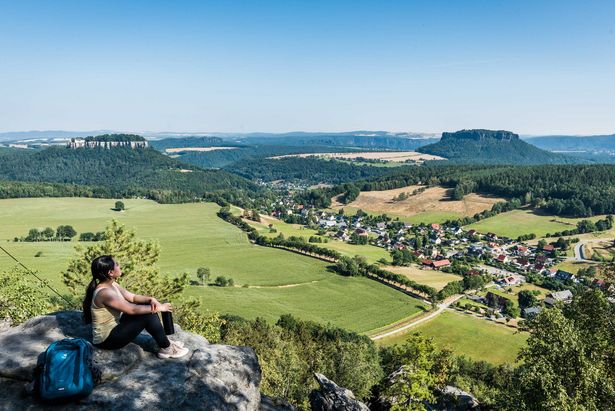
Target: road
[(579, 254), (413, 322)]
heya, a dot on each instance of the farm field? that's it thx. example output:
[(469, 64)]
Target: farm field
[(370, 252), (573, 266), (514, 223), (202, 149), (476, 338), (431, 205), (392, 156), (351, 303), (432, 278), (600, 250), (191, 236)]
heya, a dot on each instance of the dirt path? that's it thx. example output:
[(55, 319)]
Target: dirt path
[(413, 321)]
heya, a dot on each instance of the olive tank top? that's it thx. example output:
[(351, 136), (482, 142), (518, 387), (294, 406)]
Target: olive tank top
[(104, 319)]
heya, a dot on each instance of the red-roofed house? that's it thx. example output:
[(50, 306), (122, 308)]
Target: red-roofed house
[(435, 226), (441, 263), (502, 258), (427, 263), (548, 248)]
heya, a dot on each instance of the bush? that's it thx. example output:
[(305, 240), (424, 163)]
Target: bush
[(221, 281)]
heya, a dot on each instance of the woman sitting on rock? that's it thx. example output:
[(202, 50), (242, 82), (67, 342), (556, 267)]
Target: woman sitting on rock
[(118, 316)]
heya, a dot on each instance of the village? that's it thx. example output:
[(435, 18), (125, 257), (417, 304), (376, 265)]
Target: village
[(449, 248)]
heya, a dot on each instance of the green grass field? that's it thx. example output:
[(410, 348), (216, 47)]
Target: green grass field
[(191, 236), (476, 338), (518, 222), (432, 278)]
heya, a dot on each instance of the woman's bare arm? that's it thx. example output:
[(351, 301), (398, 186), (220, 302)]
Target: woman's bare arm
[(112, 300), (135, 298)]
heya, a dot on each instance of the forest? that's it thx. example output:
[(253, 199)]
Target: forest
[(117, 172), (566, 190), (307, 170)]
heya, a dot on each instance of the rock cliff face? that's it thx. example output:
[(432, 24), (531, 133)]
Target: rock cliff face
[(332, 397), (481, 134), (210, 377)]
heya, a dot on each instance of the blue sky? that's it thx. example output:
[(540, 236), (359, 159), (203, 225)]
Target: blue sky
[(533, 67)]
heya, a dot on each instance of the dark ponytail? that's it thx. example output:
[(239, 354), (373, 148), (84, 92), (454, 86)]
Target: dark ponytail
[(100, 272)]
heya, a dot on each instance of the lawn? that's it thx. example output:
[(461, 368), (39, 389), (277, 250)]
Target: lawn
[(432, 278), (514, 223), (192, 236), (476, 338)]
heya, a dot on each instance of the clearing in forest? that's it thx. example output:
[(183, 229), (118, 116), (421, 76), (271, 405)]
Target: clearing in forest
[(181, 149), (392, 156), (433, 201)]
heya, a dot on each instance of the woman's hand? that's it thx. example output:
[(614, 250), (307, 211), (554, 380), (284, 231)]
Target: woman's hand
[(165, 307), (155, 304)]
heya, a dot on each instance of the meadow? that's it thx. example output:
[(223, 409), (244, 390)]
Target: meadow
[(192, 236), (476, 338), (514, 223), (432, 278)]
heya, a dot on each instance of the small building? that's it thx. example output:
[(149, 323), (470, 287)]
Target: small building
[(531, 311), (441, 263), (502, 258), (548, 248), (435, 226), (564, 275), (512, 280), (557, 297), (599, 283)]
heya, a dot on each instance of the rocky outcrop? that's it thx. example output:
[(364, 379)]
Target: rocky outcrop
[(452, 398), (332, 397), (210, 377), (480, 134)]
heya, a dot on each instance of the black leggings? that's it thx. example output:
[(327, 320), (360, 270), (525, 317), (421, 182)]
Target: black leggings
[(130, 326)]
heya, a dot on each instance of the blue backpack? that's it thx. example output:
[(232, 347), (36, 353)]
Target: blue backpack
[(65, 371)]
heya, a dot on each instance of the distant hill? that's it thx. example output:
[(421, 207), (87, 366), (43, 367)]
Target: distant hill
[(364, 139), (196, 141), (119, 171), (492, 147), (47, 134), (574, 143)]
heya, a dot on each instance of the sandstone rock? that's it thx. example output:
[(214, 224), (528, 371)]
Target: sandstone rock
[(332, 397), (210, 377), (453, 398), (275, 404)]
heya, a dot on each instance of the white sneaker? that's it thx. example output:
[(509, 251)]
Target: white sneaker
[(172, 351), (178, 343)]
